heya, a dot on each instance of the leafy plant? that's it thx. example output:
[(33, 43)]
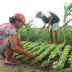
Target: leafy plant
[(28, 29), (63, 58), (42, 55), (17, 69), (52, 55), (67, 13)]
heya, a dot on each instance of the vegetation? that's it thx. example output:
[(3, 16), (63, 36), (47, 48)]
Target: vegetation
[(67, 13), (44, 54), (17, 69)]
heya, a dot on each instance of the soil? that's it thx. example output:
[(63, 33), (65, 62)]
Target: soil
[(23, 67)]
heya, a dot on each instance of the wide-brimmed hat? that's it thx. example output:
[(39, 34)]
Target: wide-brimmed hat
[(37, 13)]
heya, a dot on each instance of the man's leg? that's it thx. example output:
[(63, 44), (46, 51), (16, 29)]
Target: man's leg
[(9, 59), (55, 28), (50, 34), (9, 54), (55, 37)]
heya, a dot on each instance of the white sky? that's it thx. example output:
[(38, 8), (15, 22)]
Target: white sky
[(28, 7)]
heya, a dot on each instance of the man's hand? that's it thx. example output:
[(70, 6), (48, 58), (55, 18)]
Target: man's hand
[(30, 56), (47, 26), (41, 29)]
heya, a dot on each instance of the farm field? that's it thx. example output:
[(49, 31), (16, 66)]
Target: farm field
[(47, 57)]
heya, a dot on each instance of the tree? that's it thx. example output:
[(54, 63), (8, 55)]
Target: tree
[(67, 13)]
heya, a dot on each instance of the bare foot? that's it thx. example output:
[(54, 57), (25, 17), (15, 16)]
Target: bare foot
[(50, 42), (55, 43), (12, 62)]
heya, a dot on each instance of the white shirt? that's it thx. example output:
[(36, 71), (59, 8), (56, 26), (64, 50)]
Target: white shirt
[(46, 14)]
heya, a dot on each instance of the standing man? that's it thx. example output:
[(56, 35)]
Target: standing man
[(53, 23)]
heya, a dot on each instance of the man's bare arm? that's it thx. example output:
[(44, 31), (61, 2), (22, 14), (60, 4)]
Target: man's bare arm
[(16, 48), (41, 29)]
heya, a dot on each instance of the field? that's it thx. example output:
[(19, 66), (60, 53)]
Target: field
[(48, 57)]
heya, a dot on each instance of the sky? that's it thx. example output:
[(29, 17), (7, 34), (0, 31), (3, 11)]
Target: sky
[(29, 7)]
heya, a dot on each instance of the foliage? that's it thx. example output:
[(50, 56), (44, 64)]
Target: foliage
[(52, 55), (44, 36), (45, 54), (67, 13), (63, 58), (17, 69), (42, 55)]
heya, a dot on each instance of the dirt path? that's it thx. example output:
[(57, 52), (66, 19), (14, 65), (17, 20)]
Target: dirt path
[(24, 68)]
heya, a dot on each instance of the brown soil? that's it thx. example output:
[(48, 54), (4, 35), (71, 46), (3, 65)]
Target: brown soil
[(24, 68)]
